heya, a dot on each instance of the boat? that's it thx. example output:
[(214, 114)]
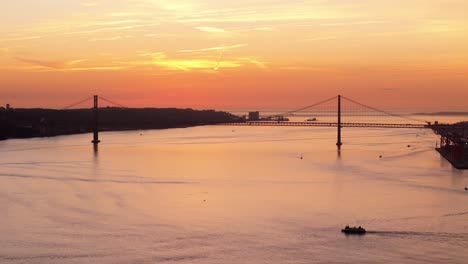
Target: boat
[(354, 230), (311, 119)]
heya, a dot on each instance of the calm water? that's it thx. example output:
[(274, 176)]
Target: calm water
[(232, 195)]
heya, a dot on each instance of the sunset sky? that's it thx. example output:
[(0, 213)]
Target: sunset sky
[(235, 54)]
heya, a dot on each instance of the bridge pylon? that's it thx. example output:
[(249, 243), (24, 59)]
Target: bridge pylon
[(338, 140), (96, 140)]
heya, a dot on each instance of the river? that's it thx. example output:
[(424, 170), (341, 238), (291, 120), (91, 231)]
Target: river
[(219, 194)]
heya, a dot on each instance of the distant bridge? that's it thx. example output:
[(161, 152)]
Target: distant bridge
[(324, 124), (344, 111), (352, 114)]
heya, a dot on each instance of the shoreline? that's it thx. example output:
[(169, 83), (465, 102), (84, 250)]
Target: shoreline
[(107, 130), (31, 123)]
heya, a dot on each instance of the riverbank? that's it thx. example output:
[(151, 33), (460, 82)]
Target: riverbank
[(28, 123), (460, 164)]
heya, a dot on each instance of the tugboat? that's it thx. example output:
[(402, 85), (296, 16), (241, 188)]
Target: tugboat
[(354, 230)]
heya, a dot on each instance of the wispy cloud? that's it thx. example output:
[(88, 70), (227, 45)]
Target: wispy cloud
[(43, 63), (196, 64), (90, 4), (98, 68), (72, 65), (211, 29), (215, 48), (111, 38), (105, 29), (184, 64), (20, 38), (174, 5), (153, 55), (318, 38), (127, 14), (113, 22), (152, 35), (353, 23)]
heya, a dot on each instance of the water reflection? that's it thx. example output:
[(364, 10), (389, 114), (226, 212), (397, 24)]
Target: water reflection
[(95, 150), (95, 161), (209, 195)]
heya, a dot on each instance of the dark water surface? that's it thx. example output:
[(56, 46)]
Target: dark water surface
[(232, 195)]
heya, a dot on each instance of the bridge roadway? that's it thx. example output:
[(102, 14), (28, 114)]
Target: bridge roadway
[(324, 124)]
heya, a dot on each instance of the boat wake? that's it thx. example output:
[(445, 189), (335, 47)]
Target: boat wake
[(420, 234), (90, 180)]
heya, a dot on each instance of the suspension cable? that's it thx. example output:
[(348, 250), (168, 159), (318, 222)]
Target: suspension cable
[(112, 102), (77, 103), (303, 108), (382, 111)]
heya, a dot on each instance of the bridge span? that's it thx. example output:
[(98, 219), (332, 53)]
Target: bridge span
[(323, 124), (454, 139)]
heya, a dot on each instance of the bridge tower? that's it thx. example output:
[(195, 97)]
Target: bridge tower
[(338, 140), (96, 122)]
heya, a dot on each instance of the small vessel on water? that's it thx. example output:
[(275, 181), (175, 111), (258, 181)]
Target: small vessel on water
[(311, 119), (354, 230)]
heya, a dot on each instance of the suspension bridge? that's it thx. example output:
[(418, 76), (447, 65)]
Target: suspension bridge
[(338, 111), (95, 99)]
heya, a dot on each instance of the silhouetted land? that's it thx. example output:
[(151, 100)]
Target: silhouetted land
[(25, 123), (444, 114), (454, 143)]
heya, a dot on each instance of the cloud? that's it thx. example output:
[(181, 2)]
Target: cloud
[(115, 22), (20, 38), (259, 64), (286, 11), (126, 14), (186, 65), (46, 64), (174, 5), (105, 29), (152, 35), (215, 48), (73, 65), (182, 64), (353, 23), (211, 29), (90, 4), (98, 68), (318, 38), (153, 55), (110, 38)]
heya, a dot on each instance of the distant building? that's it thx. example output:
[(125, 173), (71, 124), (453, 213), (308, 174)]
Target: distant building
[(7, 106), (254, 116)]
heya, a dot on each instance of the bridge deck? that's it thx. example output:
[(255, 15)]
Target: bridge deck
[(324, 124)]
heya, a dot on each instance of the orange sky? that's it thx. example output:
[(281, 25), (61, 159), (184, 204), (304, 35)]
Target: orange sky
[(235, 54)]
